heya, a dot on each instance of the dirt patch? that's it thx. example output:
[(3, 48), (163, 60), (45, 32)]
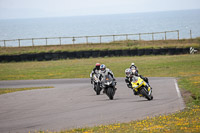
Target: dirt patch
[(187, 96)]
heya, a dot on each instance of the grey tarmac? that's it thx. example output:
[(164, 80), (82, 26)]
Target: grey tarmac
[(72, 103)]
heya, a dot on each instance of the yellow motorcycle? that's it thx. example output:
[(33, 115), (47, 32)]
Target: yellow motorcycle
[(141, 88)]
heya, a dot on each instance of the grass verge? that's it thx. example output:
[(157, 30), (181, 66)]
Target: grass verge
[(117, 45), (184, 121), (10, 90)]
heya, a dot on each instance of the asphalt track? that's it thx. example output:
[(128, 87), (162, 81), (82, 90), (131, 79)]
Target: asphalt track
[(72, 103)]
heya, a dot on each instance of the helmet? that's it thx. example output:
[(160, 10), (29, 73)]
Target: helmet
[(132, 64), (128, 72), (103, 68), (98, 66)]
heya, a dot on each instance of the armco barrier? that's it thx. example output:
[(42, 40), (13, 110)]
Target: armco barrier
[(96, 53)]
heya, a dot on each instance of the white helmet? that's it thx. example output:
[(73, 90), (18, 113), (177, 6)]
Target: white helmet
[(128, 72), (132, 64), (103, 68)]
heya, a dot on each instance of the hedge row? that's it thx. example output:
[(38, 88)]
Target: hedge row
[(87, 54)]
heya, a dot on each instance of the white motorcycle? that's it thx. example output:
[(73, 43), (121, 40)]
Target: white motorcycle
[(96, 83)]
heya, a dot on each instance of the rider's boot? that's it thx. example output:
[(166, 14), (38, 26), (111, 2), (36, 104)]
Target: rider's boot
[(104, 91)]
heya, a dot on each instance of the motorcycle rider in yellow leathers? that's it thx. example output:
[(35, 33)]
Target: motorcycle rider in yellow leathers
[(133, 71)]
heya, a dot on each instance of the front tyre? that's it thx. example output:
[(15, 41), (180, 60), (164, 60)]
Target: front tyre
[(151, 97), (110, 93), (98, 89), (145, 94)]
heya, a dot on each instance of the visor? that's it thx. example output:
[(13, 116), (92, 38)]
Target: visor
[(102, 69)]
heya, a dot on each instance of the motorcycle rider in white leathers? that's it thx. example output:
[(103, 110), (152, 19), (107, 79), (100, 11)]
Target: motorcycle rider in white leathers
[(94, 71), (106, 71), (134, 67)]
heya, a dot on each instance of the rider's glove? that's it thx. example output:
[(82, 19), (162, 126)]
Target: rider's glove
[(126, 80), (129, 85)]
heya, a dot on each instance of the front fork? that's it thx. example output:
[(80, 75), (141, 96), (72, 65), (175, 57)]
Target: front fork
[(148, 89)]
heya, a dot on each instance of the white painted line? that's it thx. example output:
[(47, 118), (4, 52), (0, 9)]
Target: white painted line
[(177, 89)]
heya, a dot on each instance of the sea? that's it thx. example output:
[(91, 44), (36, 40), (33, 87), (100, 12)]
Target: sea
[(186, 21)]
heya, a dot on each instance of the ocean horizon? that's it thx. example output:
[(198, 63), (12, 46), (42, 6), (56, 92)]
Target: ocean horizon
[(93, 25)]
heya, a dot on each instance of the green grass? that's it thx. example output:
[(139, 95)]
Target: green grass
[(151, 66), (186, 68), (130, 44), (10, 90)]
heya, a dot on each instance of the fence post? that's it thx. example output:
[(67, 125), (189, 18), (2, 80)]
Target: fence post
[(178, 34), (19, 42), (32, 42), (100, 39), (113, 38), (165, 35), (46, 41), (153, 36), (190, 34), (126, 37), (4, 43), (73, 39), (140, 36), (60, 40), (86, 40)]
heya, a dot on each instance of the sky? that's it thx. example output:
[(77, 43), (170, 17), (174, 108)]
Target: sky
[(11, 9)]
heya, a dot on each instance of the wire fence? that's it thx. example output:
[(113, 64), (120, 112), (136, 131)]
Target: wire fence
[(166, 35)]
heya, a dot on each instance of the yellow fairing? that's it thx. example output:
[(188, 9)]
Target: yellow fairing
[(138, 83)]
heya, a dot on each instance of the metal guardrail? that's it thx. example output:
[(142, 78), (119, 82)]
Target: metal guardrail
[(73, 40)]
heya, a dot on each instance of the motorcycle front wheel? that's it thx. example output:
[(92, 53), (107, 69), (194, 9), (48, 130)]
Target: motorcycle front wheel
[(146, 95), (98, 89), (110, 93)]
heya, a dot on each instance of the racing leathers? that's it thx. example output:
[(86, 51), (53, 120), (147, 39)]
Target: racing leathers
[(129, 75), (94, 71), (128, 80), (133, 67), (107, 72)]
